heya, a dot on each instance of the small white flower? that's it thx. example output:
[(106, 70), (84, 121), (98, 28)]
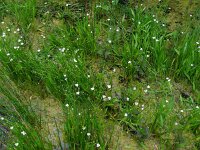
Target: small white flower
[(2, 118), (65, 75), (192, 65), (117, 29), (75, 60), (83, 128), (11, 59), (88, 76), (109, 98), (38, 50), (109, 41), (108, 19), (190, 15), (134, 88), (2, 22), (136, 103), (18, 29), (67, 105), (16, 144), (154, 37), (11, 127), (88, 134), (108, 86), (197, 43), (8, 54), (8, 30), (148, 56), (163, 25), (129, 62), (98, 145), (148, 87), (141, 49), (125, 114), (87, 14), (127, 99), (157, 40), (176, 123), (197, 107), (76, 85), (167, 101), (77, 93), (181, 111), (103, 96), (114, 70), (139, 22), (88, 25), (145, 91), (23, 133), (92, 88)]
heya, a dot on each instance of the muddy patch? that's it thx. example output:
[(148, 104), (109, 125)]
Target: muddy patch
[(51, 117)]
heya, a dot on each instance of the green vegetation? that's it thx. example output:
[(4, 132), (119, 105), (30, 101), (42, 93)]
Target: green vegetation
[(103, 64)]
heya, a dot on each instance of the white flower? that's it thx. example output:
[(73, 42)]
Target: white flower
[(125, 114), (109, 98), (136, 103), (2, 118), (109, 41), (16, 144), (75, 60), (148, 56), (8, 54), (148, 86), (190, 15), (192, 65), (154, 37), (117, 29), (176, 123), (38, 50), (167, 101), (157, 40), (98, 145), (127, 99), (108, 86), (145, 91), (134, 88), (182, 111), (88, 134), (18, 29), (88, 25), (83, 128), (65, 75), (77, 93), (76, 85), (197, 107), (197, 43), (141, 49), (92, 88), (108, 19), (67, 105), (103, 96), (11, 127), (88, 76), (23, 133), (129, 62)]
